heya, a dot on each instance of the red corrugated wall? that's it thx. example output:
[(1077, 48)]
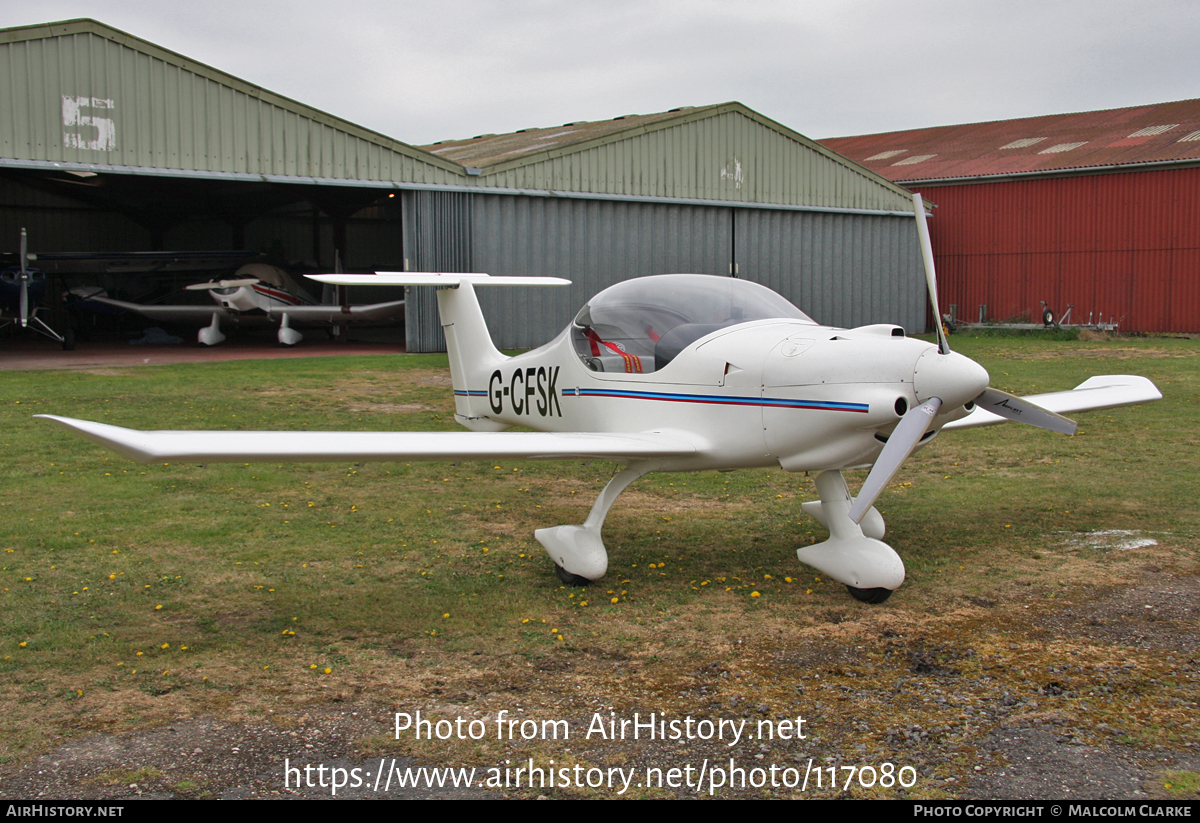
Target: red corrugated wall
[(1122, 245)]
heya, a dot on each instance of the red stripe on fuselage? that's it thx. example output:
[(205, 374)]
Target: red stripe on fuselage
[(275, 294)]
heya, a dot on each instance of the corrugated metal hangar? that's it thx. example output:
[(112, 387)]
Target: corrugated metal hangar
[(1098, 210), (110, 143)]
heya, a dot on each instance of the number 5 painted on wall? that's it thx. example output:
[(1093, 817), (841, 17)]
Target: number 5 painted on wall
[(106, 139)]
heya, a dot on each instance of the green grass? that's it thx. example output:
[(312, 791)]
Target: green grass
[(1057, 335), (129, 594), (1181, 785)]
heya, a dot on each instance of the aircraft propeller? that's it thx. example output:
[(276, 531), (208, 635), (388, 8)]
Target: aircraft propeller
[(223, 284), (24, 308), (945, 379)]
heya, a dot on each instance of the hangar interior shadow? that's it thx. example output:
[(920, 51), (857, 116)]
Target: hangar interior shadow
[(102, 226)]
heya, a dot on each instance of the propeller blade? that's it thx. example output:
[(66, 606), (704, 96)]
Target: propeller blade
[(930, 274), (1020, 410), (223, 284), (900, 445), (24, 302)]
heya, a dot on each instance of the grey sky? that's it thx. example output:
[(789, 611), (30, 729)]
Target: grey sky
[(421, 72)]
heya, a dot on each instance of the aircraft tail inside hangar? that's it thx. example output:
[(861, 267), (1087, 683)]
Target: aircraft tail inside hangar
[(110, 143)]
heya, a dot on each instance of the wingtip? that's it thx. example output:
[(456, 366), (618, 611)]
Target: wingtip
[(62, 421), (85, 426), (125, 442)]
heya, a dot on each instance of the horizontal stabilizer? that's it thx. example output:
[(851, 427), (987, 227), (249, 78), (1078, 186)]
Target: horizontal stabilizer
[(1105, 391), (444, 279), (309, 446)]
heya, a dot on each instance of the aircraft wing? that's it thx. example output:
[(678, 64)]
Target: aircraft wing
[(1102, 392), (440, 279), (339, 314), (309, 446), (168, 314), (75, 262)]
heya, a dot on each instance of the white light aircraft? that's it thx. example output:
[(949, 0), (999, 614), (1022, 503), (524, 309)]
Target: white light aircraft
[(256, 290), (682, 373)]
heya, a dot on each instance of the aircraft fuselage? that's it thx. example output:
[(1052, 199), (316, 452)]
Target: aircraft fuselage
[(768, 392)]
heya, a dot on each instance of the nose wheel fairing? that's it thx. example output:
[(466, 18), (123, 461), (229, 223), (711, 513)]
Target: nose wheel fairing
[(850, 556)]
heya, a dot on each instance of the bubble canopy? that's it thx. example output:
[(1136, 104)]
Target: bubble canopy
[(640, 325)]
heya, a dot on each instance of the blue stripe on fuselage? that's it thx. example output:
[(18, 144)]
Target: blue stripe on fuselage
[(787, 403)]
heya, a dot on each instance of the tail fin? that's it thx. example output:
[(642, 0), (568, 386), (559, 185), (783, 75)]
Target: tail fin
[(473, 356)]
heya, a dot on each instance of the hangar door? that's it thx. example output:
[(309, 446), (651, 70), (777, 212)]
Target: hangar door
[(844, 269), (841, 269), (593, 243)]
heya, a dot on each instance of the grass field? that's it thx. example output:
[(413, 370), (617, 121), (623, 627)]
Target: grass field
[(131, 595)]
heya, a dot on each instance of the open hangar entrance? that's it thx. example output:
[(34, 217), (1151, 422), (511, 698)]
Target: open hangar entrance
[(89, 228)]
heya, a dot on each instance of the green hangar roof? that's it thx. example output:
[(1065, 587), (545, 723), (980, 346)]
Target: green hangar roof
[(82, 95), (725, 153)]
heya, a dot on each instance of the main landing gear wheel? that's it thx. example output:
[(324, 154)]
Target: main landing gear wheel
[(575, 579), (869, 595)]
